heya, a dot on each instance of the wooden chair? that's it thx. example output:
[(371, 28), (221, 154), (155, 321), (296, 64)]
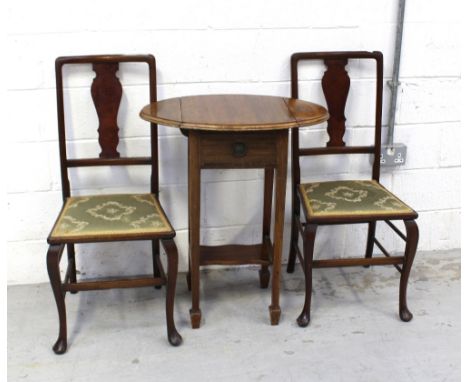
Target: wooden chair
[(109, 217), (345, 201)]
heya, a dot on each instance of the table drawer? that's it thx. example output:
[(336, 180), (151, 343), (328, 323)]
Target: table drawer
[(238, 150)]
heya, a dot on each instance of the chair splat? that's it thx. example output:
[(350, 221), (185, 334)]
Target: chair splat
[(106, 91), (335, 85)]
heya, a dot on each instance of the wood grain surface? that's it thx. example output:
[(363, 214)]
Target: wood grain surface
[(234, 112)]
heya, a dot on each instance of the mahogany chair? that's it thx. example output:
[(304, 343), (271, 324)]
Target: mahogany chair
[(345, 201), (109, 217)]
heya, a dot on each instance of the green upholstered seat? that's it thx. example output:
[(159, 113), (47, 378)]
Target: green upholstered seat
[(110, 217), (351, 198)]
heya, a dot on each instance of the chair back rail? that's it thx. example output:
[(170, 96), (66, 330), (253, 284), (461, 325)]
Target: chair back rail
[(106, 93), (335, 85)]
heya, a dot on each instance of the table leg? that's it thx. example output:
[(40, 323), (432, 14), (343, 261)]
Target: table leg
[(280, 194), (194, 225), (267, 198)]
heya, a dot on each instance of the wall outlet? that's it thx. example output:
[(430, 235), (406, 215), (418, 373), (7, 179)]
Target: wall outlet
[(393, 155)]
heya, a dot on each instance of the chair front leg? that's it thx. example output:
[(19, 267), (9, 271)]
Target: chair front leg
[(172, 261), (412, 237), (309, 241), (53, 260)]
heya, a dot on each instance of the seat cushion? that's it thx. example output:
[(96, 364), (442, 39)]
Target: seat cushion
[(351, 198), (110, 217)]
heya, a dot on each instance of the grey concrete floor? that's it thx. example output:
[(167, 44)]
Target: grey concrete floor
[(355, 333)]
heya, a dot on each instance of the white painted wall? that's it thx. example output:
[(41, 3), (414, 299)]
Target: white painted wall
[(213, 46)]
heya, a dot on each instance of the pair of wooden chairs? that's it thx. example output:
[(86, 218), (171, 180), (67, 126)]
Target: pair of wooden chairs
[(103, 218)]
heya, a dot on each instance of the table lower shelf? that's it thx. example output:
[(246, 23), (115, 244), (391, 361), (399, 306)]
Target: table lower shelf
[(261, 254)]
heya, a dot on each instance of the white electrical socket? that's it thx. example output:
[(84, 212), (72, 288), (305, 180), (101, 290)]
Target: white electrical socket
[(393, 155)]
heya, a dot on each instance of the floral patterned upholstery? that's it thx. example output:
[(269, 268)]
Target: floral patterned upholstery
[(351, 198), (111, 216)]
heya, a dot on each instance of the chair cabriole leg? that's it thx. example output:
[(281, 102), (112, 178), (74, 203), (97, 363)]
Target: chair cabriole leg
[(53, 260), (309, 241), (412, 235), (173, 336)]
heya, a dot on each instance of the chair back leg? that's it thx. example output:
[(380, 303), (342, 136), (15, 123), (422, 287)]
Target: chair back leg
[(72, 264), (264, 275), (370, 241), (294, 231), (157, 267), (188, 278)]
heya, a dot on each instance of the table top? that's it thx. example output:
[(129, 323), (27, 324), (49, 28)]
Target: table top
[(234, 112)]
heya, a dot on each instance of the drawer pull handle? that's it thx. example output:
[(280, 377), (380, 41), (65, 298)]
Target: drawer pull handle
[(239, 149)]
